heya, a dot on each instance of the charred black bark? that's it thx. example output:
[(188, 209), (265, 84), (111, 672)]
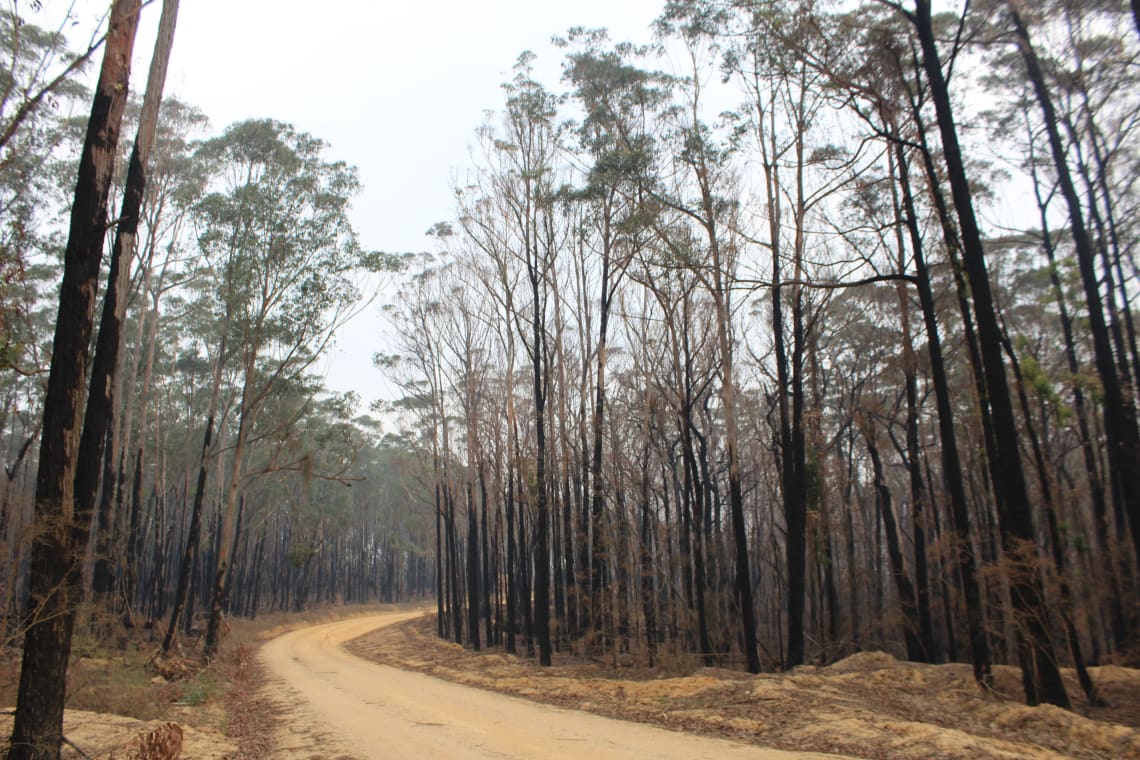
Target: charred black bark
[(57, 545), (1040, 674)]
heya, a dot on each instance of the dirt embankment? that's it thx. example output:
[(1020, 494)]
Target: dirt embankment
[(869, 705)]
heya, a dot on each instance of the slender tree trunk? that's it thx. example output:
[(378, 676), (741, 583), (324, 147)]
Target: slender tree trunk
[(525, 589), (542, 507), (600, 553), (693, 501), (1040, 674), (914, 466), (1120, 420), (440, 612), (645, 544), (453, 573), (487, 581), (193, 537), (512, 591), (1081, 412), (795, 511), (1056, 541), (980, 656), (227, 528), (472, 571), (903, 587)]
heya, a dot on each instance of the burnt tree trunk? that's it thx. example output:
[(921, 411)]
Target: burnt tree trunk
[(903, 585), (1041, 677), (57, 545), (980, 656), (1120, 423), (99, 419)]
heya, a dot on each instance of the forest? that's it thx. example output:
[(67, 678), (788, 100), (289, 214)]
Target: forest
[(794, 330)]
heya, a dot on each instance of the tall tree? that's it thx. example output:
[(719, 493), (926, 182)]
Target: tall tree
[(37, 731), (99, 418), (1040, 674), (616, 96), (284, 254), (1120, 419), (707, 165)]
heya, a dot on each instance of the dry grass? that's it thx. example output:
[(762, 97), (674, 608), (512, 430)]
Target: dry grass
[(109, 672)]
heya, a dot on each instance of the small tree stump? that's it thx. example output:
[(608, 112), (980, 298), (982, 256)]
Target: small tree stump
[(163, 743)]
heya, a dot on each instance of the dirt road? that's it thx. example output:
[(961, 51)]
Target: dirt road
[(335, 705)]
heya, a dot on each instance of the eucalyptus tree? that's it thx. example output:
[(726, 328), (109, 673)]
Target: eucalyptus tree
[(164, 264), (57, 547), (876, 82), (880, 79), (787, 123), (38, 83), (418, 369), (685, 383), (30, 123), (1072, 376), (302, 466), (488, 231), (393, 520), (702, 196), (524, 183), (618, 100), (510, 214), (462, 341), (41, 72), (279, 246), (36, 88)]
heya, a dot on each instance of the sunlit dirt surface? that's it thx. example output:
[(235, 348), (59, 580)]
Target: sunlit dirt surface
[(869, 705), (100, 735), (336, 705)]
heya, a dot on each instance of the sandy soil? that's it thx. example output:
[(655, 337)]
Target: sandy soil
[(336, 705), (869, 705), (98, 735)]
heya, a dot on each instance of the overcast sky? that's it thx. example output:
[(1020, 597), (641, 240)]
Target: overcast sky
[(395, 87)]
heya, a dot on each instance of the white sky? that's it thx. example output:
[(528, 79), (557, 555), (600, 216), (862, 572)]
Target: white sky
[(396, 87)]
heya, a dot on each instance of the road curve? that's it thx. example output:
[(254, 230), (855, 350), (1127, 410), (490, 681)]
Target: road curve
[(336, 705)]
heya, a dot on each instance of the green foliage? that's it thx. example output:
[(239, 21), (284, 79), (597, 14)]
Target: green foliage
[(1039, 380), (29, 192), (276, 234)]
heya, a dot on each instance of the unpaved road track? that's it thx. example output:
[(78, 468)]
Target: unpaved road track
[(336, 705)]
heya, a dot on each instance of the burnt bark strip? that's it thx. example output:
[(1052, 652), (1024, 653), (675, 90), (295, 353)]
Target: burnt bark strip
[(57, 546), (99, 419), (472, 572), (193, 537)]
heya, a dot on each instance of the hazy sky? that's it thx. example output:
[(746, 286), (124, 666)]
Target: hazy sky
[(395, 87)]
